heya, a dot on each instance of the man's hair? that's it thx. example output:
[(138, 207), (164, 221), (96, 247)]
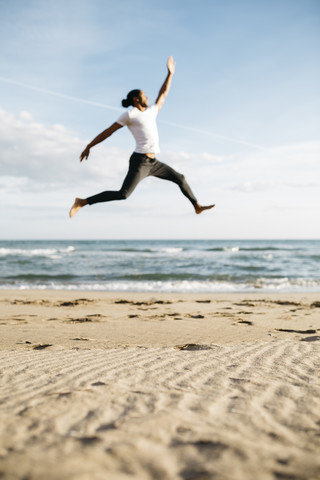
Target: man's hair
[(127, 102)]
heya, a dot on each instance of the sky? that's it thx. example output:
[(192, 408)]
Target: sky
[(241, 121)]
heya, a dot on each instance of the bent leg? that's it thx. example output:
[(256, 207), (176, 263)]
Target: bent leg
[(161, 170), (135, 174)]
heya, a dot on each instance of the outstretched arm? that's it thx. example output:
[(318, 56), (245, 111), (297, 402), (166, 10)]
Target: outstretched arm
[(164, 90), (99, 138)]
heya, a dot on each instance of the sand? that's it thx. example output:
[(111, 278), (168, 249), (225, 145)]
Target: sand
[(159, 386)]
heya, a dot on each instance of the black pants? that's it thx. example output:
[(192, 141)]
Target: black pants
[(140, 167)]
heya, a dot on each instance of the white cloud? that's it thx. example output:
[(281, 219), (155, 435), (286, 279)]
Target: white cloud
[(12, 184), (251, 187), (26, 116), (48, 155)]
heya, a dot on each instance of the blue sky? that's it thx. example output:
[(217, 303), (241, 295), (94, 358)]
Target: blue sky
[(241, 120)]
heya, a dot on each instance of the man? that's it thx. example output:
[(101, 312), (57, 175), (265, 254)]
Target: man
[(141, 121)]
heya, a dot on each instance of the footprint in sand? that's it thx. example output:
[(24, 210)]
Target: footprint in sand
[(42, 346), (73, 303), (89, 318), (316, 338), (87, 441), (304, 332), (30, 302), (106, 426), (98, 384), (139, 304), (79, 320), (245, 304), (192, 347)]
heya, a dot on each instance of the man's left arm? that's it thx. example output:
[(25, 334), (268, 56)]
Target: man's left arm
[(164, 90)]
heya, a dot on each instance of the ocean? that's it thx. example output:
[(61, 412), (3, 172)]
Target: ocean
[(161, 265)]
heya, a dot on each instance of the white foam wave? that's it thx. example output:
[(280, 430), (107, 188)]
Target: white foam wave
[(268, 256), (68, 249), (231, 249), (35, 252), (185, 286), (170, 250)]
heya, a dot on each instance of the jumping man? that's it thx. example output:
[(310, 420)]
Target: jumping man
[(141, 121)]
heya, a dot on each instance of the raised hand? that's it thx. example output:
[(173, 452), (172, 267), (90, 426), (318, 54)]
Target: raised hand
[(171, 64)]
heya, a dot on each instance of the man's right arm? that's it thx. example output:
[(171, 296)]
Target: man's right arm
[(164, 90), (99, 138)]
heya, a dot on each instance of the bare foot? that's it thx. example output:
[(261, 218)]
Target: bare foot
[(78, 203), (199, 208)]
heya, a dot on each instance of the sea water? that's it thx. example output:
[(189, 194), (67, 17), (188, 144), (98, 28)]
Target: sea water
[(161, 265)]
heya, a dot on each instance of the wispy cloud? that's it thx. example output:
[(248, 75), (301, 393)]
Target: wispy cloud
[(110, 107), (215, 135), (61, 95)]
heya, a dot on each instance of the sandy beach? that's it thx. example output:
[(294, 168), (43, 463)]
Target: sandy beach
[(159, 386)]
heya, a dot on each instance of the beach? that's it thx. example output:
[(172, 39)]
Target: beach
[(121, 385)]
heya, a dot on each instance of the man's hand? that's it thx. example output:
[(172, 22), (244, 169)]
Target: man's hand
[(85, 154), (166, 85), (99, 138), (171, 64)]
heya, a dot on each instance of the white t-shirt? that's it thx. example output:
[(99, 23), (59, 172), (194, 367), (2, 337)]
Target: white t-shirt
[(143, 127)]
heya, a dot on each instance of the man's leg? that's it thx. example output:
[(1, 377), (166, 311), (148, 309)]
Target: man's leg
[(161, 170), (137, 172)]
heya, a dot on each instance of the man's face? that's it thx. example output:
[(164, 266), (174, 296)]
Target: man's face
[(143, 99)]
